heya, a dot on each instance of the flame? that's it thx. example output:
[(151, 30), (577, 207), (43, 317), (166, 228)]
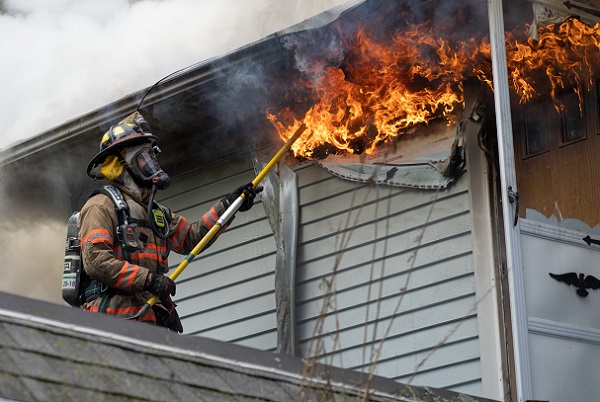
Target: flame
[(564, 56), (385, 89)]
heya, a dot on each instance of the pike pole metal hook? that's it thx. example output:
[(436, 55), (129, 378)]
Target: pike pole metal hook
[(225, 217)]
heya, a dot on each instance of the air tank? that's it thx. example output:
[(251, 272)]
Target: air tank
[(72, 264)]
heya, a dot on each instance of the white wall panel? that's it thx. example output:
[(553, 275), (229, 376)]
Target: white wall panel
[(227, 292), (415, 250), (559, 320), (381, 240)]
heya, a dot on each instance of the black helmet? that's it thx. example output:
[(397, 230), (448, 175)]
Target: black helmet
[(130, 131)]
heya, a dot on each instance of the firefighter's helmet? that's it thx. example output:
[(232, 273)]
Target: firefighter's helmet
[(132, 130)]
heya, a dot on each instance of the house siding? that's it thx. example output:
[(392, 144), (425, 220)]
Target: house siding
[(379, 239), (227, 292), (360, 244)]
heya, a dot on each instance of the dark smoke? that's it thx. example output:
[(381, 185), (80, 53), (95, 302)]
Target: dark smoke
[(94, 53)]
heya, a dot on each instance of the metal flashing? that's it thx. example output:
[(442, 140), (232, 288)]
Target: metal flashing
[(280, 200)]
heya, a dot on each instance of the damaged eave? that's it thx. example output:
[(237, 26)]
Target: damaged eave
[(431, 158), (588, 11)]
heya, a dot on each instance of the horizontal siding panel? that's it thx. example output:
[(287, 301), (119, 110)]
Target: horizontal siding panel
[(394, 278), (361, 259), (469, 386), (242, 329), (371, 245), (435, 363), (450, 237), (449, 374), (406, 233), (351, 307), (242, 231), (398, 217), (421, 339), (262, 342), (374, 204), (360, 356), (256, 252), (236, 292), (219, 280), (195, 202), (407, 321), (237, 166), (226, 292), (309, 173), (222, 315)]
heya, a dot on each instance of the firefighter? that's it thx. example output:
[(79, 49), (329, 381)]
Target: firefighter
[(124, 255)]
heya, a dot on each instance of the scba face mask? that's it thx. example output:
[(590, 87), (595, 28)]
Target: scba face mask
[(145, 168)]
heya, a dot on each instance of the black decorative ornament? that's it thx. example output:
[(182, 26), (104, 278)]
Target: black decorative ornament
[(582, 282)]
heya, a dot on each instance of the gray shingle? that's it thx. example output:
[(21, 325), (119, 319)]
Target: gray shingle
[(197, 375), (254, 386), (31, 364), (121, 370), (11, 386), (189, 393), (54, 392), (29, 338), (5, 339), (91, 376), (134, 361)]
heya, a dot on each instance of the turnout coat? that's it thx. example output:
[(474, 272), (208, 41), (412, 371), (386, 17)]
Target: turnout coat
[(123, 274)]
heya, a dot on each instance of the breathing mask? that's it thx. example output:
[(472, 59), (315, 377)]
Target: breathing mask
[(144, 167)]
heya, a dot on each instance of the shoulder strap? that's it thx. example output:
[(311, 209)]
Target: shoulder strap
[(125, 232), (120, 204)]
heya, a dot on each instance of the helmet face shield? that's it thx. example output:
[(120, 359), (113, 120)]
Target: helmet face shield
[(145, 167)]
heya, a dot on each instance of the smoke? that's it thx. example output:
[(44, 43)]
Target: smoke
[(64, 58), (31, 267)]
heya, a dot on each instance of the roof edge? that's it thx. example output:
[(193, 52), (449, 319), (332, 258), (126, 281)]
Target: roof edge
[(146, 338), (67, 131)]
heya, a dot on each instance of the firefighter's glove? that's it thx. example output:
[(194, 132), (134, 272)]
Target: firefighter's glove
[(249, 195), (172, 321), (160, 285)]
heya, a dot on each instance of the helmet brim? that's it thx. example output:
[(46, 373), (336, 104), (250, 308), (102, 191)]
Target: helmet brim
[(93, 169)]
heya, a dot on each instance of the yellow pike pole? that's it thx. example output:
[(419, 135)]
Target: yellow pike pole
[(228, 214)]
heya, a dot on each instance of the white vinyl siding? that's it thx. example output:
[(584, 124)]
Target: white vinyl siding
[(378, 240), (227, 292)]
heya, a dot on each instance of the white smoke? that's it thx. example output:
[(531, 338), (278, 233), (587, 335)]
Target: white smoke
[(65, 58)]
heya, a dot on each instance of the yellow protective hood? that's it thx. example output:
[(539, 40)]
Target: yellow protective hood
[(111, 167)]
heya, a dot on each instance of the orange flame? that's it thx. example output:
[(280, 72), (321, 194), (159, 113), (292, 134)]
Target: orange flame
[(385, 89), (565, 55)]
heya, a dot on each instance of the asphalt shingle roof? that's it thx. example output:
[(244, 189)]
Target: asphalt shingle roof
[(58, 353)]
